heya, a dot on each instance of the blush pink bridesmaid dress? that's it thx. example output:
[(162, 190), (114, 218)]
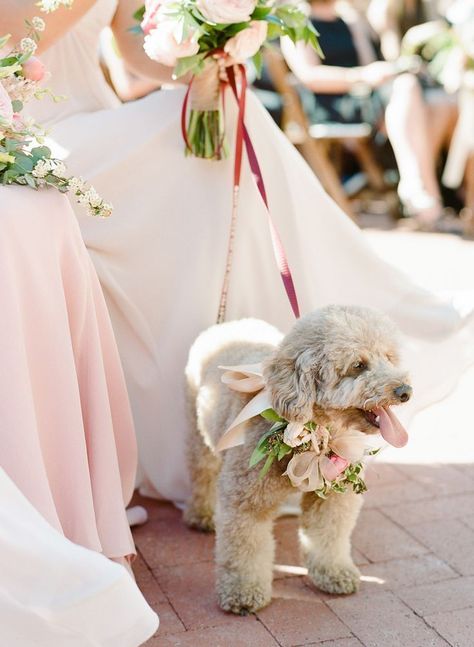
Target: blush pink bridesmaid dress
[(66, 434)]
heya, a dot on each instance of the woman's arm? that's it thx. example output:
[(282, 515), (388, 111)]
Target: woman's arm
[(130, 44), (382, 16), (14, 12), (331, 79)]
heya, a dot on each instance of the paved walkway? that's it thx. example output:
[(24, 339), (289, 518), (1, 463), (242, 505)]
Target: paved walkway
[(414, 542)]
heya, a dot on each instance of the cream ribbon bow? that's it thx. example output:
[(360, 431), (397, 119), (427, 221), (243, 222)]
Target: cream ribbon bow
[(247, 378)]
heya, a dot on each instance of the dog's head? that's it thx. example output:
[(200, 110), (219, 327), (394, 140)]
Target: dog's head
[(340, 363)]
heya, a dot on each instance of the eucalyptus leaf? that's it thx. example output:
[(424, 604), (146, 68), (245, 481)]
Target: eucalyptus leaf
[(272, 416), (268, 463), (258, 454), (188, 64), (283, 451), (258, 63)]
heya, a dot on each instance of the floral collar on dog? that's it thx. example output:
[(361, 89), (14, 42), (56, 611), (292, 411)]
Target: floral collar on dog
[(321, 461)]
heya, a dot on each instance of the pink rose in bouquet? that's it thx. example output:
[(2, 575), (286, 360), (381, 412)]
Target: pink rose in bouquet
[(165, 43), (33, 69), (226, 11), (247, 42)]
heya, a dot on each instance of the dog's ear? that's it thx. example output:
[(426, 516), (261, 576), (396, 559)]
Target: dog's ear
[(292, 384)]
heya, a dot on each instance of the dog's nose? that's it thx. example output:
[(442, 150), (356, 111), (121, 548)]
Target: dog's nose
[(403, 392)]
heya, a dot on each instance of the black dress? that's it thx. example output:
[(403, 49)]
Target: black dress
[(339, 50)]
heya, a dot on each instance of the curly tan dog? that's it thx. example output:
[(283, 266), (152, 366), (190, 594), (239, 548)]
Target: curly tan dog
[(336, 366)]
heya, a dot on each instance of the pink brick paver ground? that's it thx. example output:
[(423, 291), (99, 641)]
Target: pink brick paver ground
[(416, 556)]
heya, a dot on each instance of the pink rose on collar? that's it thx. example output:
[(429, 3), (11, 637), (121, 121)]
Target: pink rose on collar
[(164, 43), (6, 110), (226, 12), (247, 42)]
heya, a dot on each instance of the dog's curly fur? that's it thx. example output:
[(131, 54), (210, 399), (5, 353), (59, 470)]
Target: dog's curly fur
[(335, 363)]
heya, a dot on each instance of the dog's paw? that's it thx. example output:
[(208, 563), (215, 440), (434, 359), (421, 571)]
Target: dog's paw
[(199, 519), (240, 597), (336, 579)]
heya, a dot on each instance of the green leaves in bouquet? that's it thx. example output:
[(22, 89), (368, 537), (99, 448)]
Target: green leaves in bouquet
[(288, 20), (257, 60), (139, 14), (270, 446), (193, 64), (19, 169), (9, 65)]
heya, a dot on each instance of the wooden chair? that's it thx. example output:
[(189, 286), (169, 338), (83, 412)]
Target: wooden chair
[(316, 141)]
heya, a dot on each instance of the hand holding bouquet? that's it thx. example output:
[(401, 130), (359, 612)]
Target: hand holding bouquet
[(202, 38)]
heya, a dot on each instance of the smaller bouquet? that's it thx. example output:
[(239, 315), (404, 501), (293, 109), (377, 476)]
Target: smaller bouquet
[(24, 159), (202, 38), (320, 461)]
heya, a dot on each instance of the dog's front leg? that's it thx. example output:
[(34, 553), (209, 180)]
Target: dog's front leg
[(244, 555), (325, 535)]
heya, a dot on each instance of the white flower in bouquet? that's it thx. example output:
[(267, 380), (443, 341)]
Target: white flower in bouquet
[(226, 11), (167, 42), (6, 108), (48, 6), (296, 434), (77, 184), (59, 170), (42, 168), (246, 43), (28, 45), (38, 23), (155, 12)]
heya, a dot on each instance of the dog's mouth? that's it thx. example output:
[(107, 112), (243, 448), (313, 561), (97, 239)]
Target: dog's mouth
[(391, 429)]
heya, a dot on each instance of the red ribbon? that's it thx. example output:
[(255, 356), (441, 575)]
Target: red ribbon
[(242, 136)]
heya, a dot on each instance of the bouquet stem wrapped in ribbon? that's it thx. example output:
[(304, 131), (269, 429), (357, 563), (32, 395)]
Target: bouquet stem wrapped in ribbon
[(204, 133)]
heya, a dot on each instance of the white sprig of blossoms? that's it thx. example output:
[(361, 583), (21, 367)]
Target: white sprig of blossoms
[(48, 6), (84, 193), (38, 24), (28, 45)]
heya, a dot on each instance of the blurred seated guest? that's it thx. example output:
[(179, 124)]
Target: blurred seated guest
[(391, 19), (351, 85)]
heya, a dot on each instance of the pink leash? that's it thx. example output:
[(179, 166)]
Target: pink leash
[(242, 136)]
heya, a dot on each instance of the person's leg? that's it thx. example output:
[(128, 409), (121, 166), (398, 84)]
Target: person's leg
[(441, 119), (406, 119)]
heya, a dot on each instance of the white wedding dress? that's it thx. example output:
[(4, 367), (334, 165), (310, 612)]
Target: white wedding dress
[(161, 256), (54, 593)]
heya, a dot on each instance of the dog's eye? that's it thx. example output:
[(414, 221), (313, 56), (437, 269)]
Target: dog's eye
[(360, 366)]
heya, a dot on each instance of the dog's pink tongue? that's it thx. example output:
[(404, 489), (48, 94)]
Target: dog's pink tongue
[(391, 428)]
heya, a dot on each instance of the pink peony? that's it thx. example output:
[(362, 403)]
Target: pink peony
[(164, 43), (247, 42), (33, 69), (6, 110), (225, 12), (155, 12)]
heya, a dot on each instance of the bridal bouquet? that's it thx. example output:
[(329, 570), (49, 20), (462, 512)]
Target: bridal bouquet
[(203, 38), (24, 159), (321, 461)]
